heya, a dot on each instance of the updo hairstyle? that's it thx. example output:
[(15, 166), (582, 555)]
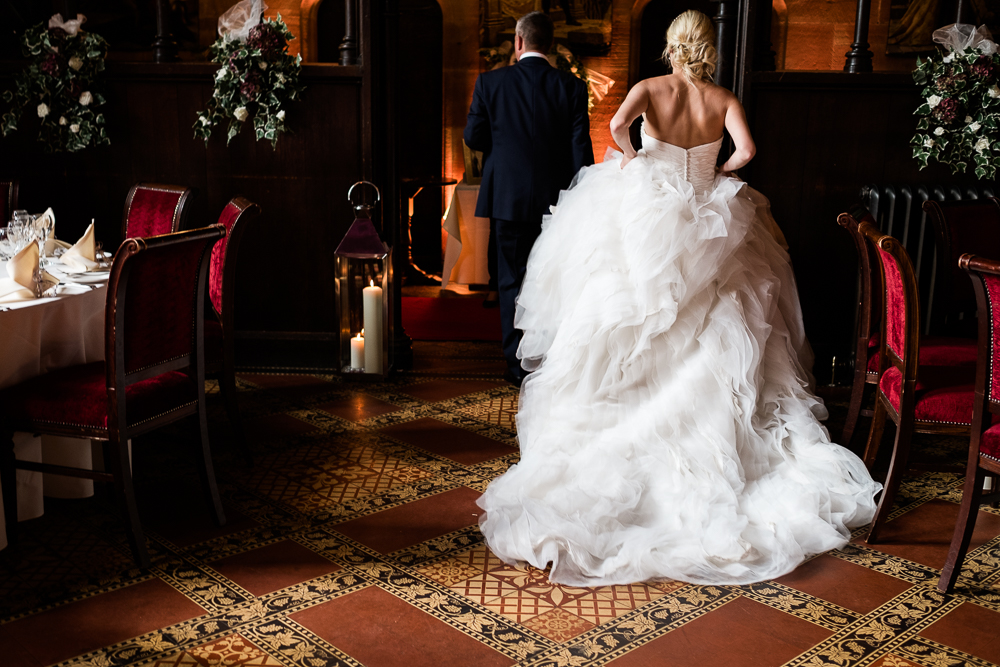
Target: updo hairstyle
[(691, 39)]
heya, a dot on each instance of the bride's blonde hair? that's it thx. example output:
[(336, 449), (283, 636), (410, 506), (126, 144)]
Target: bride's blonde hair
[(691, 40)]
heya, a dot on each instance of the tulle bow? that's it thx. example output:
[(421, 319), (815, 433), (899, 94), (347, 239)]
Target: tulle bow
[(239, 19), (70, 27), (958, 37)]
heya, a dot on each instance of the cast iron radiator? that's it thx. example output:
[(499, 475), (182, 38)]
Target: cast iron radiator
[(899, 212)]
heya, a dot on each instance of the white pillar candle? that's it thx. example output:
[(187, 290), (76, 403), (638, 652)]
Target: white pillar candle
[(373, 328), (358, 352)]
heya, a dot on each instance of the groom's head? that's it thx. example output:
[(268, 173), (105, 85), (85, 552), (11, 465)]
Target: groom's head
[(534, 32)]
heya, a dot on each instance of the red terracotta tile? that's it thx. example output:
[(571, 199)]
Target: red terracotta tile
[(969, 628), (276, 566), (923, 535), (443, 390), (14, 655), (755, 636), (357, 407), (277, 426), (357, 624), (102, 620), (450, 441), (415, 522), (846, 584)]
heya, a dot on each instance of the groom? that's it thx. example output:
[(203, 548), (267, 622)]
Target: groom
[(530, 121)]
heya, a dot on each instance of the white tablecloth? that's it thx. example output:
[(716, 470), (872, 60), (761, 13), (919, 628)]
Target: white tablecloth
[(465, 256), (36, 337)]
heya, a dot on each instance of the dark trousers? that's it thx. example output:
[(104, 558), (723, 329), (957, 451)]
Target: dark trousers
[(514, 240), (491, 256)]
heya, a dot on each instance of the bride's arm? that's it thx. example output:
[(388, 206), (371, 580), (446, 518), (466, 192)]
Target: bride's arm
[(634, 105), (736, 123)]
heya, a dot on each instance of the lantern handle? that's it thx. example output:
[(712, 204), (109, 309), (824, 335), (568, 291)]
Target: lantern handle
[(378, 195)]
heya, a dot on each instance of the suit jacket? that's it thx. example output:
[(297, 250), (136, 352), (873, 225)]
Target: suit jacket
[(530, 120)]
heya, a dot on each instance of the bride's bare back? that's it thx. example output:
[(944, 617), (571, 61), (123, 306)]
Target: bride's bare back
[(685, 114)]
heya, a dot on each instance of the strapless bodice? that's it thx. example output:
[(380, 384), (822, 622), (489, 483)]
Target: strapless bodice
[(695, 165)]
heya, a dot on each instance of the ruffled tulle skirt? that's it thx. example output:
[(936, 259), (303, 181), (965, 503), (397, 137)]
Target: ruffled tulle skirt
[(668, 429)]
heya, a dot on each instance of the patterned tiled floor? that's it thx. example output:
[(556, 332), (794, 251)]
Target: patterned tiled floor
[(354, 541)]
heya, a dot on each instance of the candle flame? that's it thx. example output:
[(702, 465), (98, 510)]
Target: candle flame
[(362, 334), (371, 283)]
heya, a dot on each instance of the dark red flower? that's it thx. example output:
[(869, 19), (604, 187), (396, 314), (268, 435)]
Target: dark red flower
[(946, 110), (263, 36), (57, 33), (51, 64), (250, 86), (983, 68)]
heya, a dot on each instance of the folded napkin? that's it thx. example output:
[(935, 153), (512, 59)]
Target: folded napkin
[(82, 256), (22, 268), (52, 242)]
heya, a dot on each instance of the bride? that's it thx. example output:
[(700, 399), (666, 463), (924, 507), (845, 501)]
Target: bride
[(668, 429)]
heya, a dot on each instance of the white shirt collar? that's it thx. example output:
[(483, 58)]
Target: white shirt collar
[(532, 54)]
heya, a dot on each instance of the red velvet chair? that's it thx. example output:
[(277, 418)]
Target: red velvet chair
[(220, 356), (152, 209), (153, 373), (960, 227), (934, 350), (984, 443), (918, 398), (8, 201)]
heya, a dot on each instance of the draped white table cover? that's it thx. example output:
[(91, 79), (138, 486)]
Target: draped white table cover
[(465, 256)]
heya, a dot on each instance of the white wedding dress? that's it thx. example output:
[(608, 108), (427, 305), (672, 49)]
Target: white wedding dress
[(668, 429)]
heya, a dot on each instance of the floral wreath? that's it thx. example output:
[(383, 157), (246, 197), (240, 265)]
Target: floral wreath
[(58, 83), (258, 77), (561, 58), (960, 118)]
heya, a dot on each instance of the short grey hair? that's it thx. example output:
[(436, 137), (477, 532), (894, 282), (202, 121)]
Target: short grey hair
[(537, 31)]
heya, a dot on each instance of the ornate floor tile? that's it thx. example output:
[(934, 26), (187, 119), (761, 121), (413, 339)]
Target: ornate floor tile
[(448, 572), (519, 606), (558, 625), (499, 410), (179, 659), (893, 661), (232, 651), (597, 606)]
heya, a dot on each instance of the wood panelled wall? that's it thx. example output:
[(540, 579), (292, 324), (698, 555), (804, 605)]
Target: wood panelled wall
[(286, 262), (820, 137)]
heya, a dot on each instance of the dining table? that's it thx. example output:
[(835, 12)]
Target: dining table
[(39, 335), (465, 256)]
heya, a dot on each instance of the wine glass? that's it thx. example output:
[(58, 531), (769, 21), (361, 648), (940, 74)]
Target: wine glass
[(6, 244), (43, 227)]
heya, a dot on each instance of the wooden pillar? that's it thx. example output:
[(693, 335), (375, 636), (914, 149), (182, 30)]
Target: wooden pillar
[(763, 54), (726, 22), (164, 46), (349, 46), (859, 58), (492, 22)]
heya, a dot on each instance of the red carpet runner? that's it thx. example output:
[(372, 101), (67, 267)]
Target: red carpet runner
[(432, 318)]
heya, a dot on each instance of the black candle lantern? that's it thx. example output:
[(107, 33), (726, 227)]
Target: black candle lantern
[(364, 294)]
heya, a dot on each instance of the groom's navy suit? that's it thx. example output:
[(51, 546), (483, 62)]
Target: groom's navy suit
[(530, 121)]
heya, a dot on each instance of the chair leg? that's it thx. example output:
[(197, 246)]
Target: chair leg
[(854, 408), (116, 461), (875, 434), (227, 384), (8, 481), (897, 468), (963, 530), (206, 469)]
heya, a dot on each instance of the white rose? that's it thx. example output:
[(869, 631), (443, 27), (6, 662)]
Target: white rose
[(241, 114), (74, 128), (939, 131), (933, 101), (203, 120), (86, 98), (221, 74), (975, 126), (281, 115), (982, 144), (62, 120), (929, 143), (993, 91), (75, 63), (948, 58), (43, 110), (262, 65)]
